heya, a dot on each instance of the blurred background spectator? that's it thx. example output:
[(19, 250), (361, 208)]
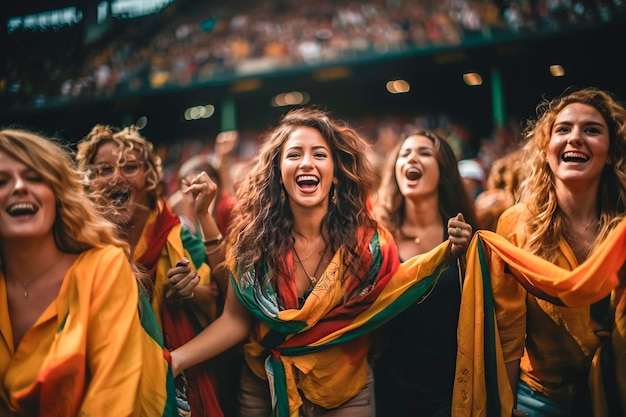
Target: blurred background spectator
[(185, 71)]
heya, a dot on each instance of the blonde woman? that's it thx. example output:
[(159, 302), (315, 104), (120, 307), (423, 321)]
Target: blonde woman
[(71, 335), (573, 196)]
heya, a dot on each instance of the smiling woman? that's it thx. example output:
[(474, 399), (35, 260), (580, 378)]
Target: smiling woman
[(312, 273), (123, 176), (72, 315), (563, 361)]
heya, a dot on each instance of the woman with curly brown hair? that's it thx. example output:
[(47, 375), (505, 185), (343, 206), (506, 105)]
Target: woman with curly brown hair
[(123, 176), (312, 273), (75, 327), (556, 333)]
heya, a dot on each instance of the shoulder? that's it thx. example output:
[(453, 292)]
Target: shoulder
[(511, 222), (103, 267), (104, 254), (514, 214)]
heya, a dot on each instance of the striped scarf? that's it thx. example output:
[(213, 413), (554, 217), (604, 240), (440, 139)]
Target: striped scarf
[(329, 317)]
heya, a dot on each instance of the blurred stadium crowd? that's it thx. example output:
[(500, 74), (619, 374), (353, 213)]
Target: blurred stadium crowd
[(193, 42)]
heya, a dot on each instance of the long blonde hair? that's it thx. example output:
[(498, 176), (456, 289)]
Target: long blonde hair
[(78, 225), (546, 221)]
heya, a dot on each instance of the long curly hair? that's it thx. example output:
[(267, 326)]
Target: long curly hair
[(263, 222), (128, 139), (546, 221), (78, 225), (453, 199)]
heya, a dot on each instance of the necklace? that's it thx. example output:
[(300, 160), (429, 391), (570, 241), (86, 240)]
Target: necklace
[(25, 284), (575, 234), (577, 241), (416, 239), (312, 249), (312, 279)]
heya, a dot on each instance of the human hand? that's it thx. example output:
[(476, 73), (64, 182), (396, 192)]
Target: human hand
[(460, 234), (183, 279), (203, 190), (225, 143)]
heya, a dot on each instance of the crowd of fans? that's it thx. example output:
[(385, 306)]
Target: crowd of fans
[(191, 42)]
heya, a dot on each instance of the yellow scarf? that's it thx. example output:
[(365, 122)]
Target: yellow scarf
[(481, 386)]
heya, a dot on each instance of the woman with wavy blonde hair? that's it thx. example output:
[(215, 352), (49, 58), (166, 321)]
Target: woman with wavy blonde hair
[(69, 318), (573, 196), (123, 175), (312, 273)]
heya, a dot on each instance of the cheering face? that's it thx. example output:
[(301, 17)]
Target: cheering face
[(120, 187), (579, 145), (307, 168), (417, 170), (28, 203)]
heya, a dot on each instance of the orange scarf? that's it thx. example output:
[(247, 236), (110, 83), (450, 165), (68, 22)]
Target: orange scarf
[(481, 385)]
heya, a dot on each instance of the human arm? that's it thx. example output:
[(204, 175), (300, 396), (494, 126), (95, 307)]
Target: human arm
[(509, 301), (230, 328), (225, 144), (512, 371), (204, 190)]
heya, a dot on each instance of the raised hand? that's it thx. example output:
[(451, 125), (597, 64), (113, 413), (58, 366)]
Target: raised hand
[(460, 234)]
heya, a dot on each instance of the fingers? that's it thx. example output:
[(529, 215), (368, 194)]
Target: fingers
[(458, 229), (183, 278), (225, 142), (460, 234), (199, 186)]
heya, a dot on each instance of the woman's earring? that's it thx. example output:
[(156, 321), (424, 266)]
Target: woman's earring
[(282, 196), (333, 198)]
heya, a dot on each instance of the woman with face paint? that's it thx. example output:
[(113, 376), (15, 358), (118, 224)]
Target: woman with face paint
[(312, 274), (75, 327), (123, 176)]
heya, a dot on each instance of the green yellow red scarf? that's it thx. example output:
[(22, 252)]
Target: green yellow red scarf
[(160, 247), (330, 317)]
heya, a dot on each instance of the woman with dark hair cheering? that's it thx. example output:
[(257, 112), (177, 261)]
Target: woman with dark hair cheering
[(312, 273)]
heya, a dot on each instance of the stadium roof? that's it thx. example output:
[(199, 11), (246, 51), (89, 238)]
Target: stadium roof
[(11, 8)]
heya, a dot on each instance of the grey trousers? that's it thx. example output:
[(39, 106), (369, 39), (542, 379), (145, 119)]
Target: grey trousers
[(254, 400)]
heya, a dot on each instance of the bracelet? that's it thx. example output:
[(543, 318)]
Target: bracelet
[(212, 251), (189, 297), (216, 240)]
